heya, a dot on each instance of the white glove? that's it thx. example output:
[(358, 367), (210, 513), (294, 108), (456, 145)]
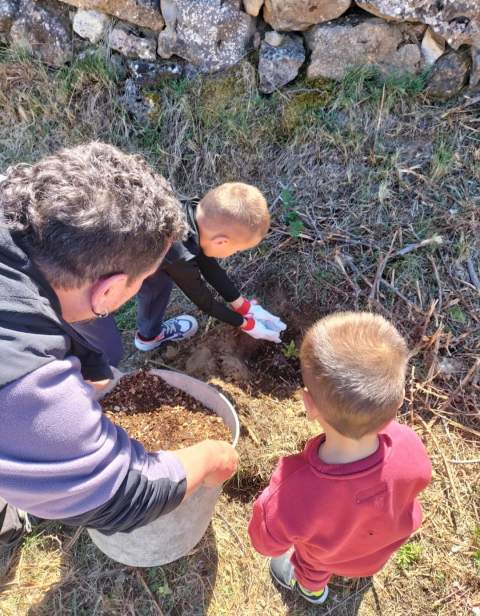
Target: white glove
[(259, 313), (262, 331)]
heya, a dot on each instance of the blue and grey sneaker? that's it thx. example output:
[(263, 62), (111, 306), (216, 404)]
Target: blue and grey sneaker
[(178, 328), (281, 569)]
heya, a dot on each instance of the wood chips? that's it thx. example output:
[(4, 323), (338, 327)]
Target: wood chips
[(160, 416)]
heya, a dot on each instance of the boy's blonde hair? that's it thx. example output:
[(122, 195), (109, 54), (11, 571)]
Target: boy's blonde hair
[(354, 365), (237, 203)]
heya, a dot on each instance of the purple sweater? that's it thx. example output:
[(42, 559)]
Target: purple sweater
[(60, 457)]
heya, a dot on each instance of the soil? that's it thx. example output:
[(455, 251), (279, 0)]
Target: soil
[(160, 416)]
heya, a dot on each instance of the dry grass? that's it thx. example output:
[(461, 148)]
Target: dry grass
[(354, 173)]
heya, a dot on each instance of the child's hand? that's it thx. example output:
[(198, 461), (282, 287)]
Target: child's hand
[(261, 330), (259, 313)]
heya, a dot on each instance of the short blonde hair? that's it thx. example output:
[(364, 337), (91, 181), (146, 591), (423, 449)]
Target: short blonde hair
[(237, 203), (354, 366)]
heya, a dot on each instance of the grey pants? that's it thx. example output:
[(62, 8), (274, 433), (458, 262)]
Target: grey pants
[(152, 301), (12, 526)]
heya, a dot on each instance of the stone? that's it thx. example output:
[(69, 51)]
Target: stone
[(273, 38), (457, 21), (43, 29), (8, 12), (433, 46), (119, 66), (211, 35), (153, 73), (256, 40), (449, 74), (279, 65), (132, 45), (475, 72), (141, 106), (353, 41), (143, 13), (91, 25), (301, 14), (252, 7)]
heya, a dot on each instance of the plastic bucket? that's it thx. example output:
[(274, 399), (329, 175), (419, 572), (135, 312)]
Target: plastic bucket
[(175, 534)]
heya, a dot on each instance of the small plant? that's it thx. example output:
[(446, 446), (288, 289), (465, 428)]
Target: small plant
[(290, 350), (476, 559), (442, 159), (408, 555), (476, 543), (291, 217), (457, 314)]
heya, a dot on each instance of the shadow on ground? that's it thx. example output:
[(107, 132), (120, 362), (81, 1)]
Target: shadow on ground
[(345, 598), (92, 583)]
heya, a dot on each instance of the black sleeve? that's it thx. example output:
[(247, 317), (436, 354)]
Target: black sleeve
[(217, 277), (187, 276), (139, 500)]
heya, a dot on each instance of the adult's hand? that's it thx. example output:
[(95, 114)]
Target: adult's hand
[(104, 387), (209, 463)]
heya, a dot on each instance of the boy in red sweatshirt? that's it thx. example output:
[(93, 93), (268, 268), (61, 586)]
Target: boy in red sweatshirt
[(348, 501)]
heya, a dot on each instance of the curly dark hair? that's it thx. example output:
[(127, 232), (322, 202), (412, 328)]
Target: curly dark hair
[(90, 211)]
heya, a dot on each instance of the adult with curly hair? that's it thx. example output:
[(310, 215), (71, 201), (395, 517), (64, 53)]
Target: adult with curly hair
[(79, 232)]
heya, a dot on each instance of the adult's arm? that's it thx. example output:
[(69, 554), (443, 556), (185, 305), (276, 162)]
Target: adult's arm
[(187, 276), (61, 458)]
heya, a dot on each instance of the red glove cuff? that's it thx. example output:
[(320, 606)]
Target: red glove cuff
[(244, 308), (249, 325)]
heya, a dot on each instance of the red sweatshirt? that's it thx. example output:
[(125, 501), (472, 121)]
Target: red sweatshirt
[(343, 519)]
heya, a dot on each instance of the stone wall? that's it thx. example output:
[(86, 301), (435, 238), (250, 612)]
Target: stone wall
[(324, 38)]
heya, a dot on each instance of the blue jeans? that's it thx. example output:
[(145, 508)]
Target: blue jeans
[(152, 301)]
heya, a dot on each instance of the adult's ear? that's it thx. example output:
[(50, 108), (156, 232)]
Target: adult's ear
[(108, 293)]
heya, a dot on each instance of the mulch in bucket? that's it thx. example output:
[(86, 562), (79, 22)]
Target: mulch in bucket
[(161, 416)]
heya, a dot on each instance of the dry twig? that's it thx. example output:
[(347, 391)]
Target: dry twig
[(141, 578)]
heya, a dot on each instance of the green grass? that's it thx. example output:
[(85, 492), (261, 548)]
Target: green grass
[(125, 317), (408, 555), (442, 159)]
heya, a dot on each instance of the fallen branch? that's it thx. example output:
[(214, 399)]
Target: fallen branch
[(380, 269), (445, 463), (401, 296), (454, 423), (435, 239), (473, 274), (143, 582), (469, 103), (466, 379)]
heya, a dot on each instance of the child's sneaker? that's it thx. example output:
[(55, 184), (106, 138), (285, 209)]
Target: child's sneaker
[(281, 569), (178, 328)]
